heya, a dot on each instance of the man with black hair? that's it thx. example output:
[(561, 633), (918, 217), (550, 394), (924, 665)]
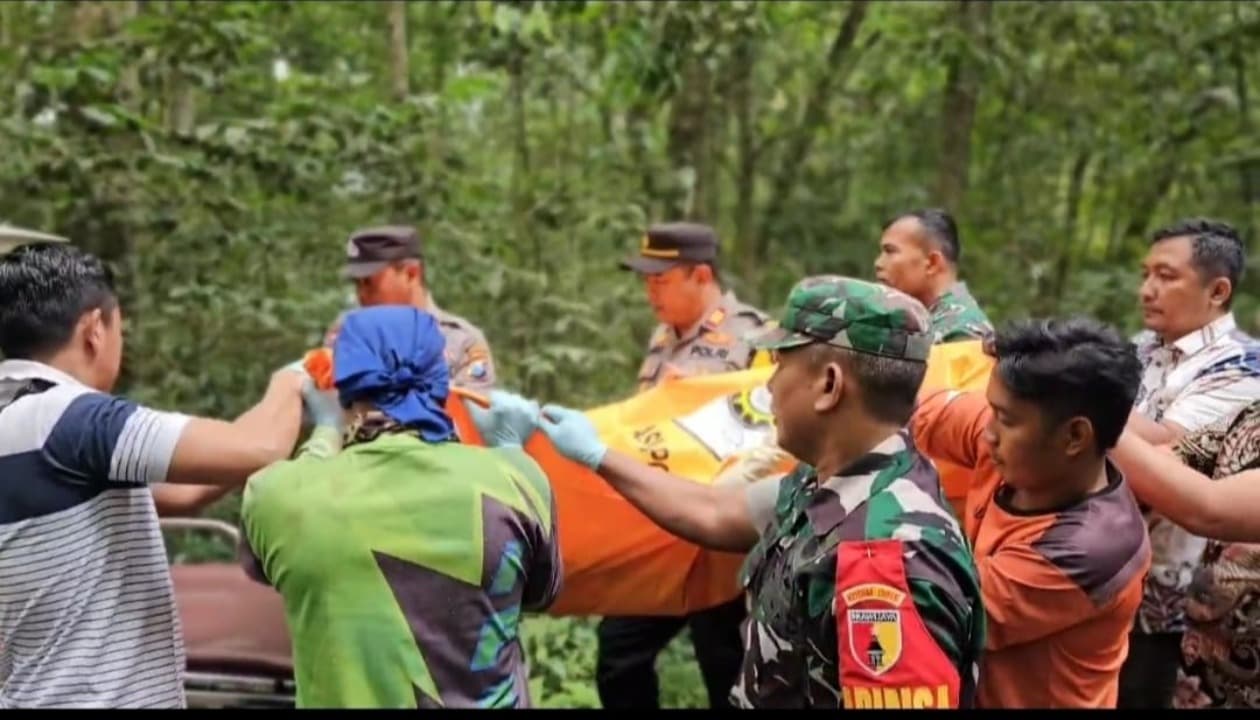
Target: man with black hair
[(701, 331), (701, 326), (919, 253), (1060, 543), (388, 267), (1197, 368), (87, 614)]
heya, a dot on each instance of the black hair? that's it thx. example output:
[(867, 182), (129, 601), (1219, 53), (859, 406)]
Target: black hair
[(889, 386), (940, 228), (1069, 368), (1217, 249), (45, 288)]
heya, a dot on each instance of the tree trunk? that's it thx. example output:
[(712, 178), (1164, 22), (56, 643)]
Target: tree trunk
[(86, 20), (962, 87), (522, 165), (1068, 241), (6, 23), (688, 121), (746, 154), (638, 126), (1247, 168), (831, 75), (129, 78), (399, 72)]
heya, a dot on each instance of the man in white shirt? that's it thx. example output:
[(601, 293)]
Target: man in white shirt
[(87, 614), (1198, 368)]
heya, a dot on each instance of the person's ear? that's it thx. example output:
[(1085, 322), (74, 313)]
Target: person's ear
[(703, 274), (831, 391), (936, 262), (1078, 436), (94, 331), (411, 271), (1219, 291)]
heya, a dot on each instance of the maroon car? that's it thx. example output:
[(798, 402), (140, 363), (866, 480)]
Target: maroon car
[(235, 637)]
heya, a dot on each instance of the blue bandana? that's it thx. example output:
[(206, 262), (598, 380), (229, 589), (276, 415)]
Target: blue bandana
[(392, 358)]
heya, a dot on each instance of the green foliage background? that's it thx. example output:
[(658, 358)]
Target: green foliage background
[(532, 141)]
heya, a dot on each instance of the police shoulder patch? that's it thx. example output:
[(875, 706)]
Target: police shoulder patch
[(715, 319)]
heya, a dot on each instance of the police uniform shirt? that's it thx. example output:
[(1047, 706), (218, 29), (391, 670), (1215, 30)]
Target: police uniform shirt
[(715, 345)]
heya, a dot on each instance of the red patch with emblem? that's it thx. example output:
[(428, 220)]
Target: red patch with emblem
[(888, 658)]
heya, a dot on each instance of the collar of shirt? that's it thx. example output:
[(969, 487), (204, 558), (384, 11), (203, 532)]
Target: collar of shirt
[(16, 373), (711, 320), (956, 292), (834, 499), (20, 370), (431, 307), (1205, 336)]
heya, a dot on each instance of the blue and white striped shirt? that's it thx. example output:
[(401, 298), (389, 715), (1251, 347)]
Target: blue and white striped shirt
[(87, 612)]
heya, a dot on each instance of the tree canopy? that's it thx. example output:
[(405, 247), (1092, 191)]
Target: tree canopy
[(219, 154)]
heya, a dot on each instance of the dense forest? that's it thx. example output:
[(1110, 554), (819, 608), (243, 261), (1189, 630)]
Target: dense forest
[(218, 154)]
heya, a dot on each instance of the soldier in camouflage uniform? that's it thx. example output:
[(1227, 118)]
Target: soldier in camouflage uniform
[(861, 589), (919, 253), (387, 267)]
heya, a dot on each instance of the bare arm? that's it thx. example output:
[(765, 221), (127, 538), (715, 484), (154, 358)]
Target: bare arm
[(1223, 509), (716, 518), (213, 452), (1156, 433), (186, 500)]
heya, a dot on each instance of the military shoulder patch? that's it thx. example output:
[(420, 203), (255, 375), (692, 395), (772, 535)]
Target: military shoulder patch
[(874, 624)]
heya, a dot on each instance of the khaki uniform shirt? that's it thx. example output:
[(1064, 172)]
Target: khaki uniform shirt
[(467, 351), (715, 345)]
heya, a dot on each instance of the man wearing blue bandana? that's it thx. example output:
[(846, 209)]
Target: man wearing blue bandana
[(405, 559)]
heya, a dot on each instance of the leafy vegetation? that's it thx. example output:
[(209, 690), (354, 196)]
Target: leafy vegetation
[(219, 154)]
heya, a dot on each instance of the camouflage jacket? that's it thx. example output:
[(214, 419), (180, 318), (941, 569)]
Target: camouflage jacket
[(956, 316), (792, 654)]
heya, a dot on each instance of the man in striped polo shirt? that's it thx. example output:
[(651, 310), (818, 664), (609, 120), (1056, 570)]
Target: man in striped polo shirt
[(87, 614)]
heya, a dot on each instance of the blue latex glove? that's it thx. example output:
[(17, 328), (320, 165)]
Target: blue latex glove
[(573, 435), (319, 408), (508, 422)]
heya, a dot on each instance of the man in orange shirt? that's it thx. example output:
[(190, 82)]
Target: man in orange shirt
[(1059, 541)]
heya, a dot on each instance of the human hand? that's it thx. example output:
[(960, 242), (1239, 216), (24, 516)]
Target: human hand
[(573, 435), (508, 422), (319, 408)]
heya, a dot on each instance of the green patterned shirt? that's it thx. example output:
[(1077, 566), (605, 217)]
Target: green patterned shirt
[(956, 316)]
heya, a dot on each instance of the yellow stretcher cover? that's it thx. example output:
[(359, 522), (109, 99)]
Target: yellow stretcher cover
[(616, 561)]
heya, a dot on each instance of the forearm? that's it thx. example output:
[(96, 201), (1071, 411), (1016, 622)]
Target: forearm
[(1160, 480), (184, 500), (213, 452), (711, 517), (275, 422), (1152, 432)]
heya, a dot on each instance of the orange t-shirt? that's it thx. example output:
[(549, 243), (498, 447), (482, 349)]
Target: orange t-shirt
[(1060, 588)]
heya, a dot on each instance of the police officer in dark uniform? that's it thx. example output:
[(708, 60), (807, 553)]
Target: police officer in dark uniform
[(701, 331)]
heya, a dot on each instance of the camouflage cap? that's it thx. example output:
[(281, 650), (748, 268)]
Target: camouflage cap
[(853, 314)]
